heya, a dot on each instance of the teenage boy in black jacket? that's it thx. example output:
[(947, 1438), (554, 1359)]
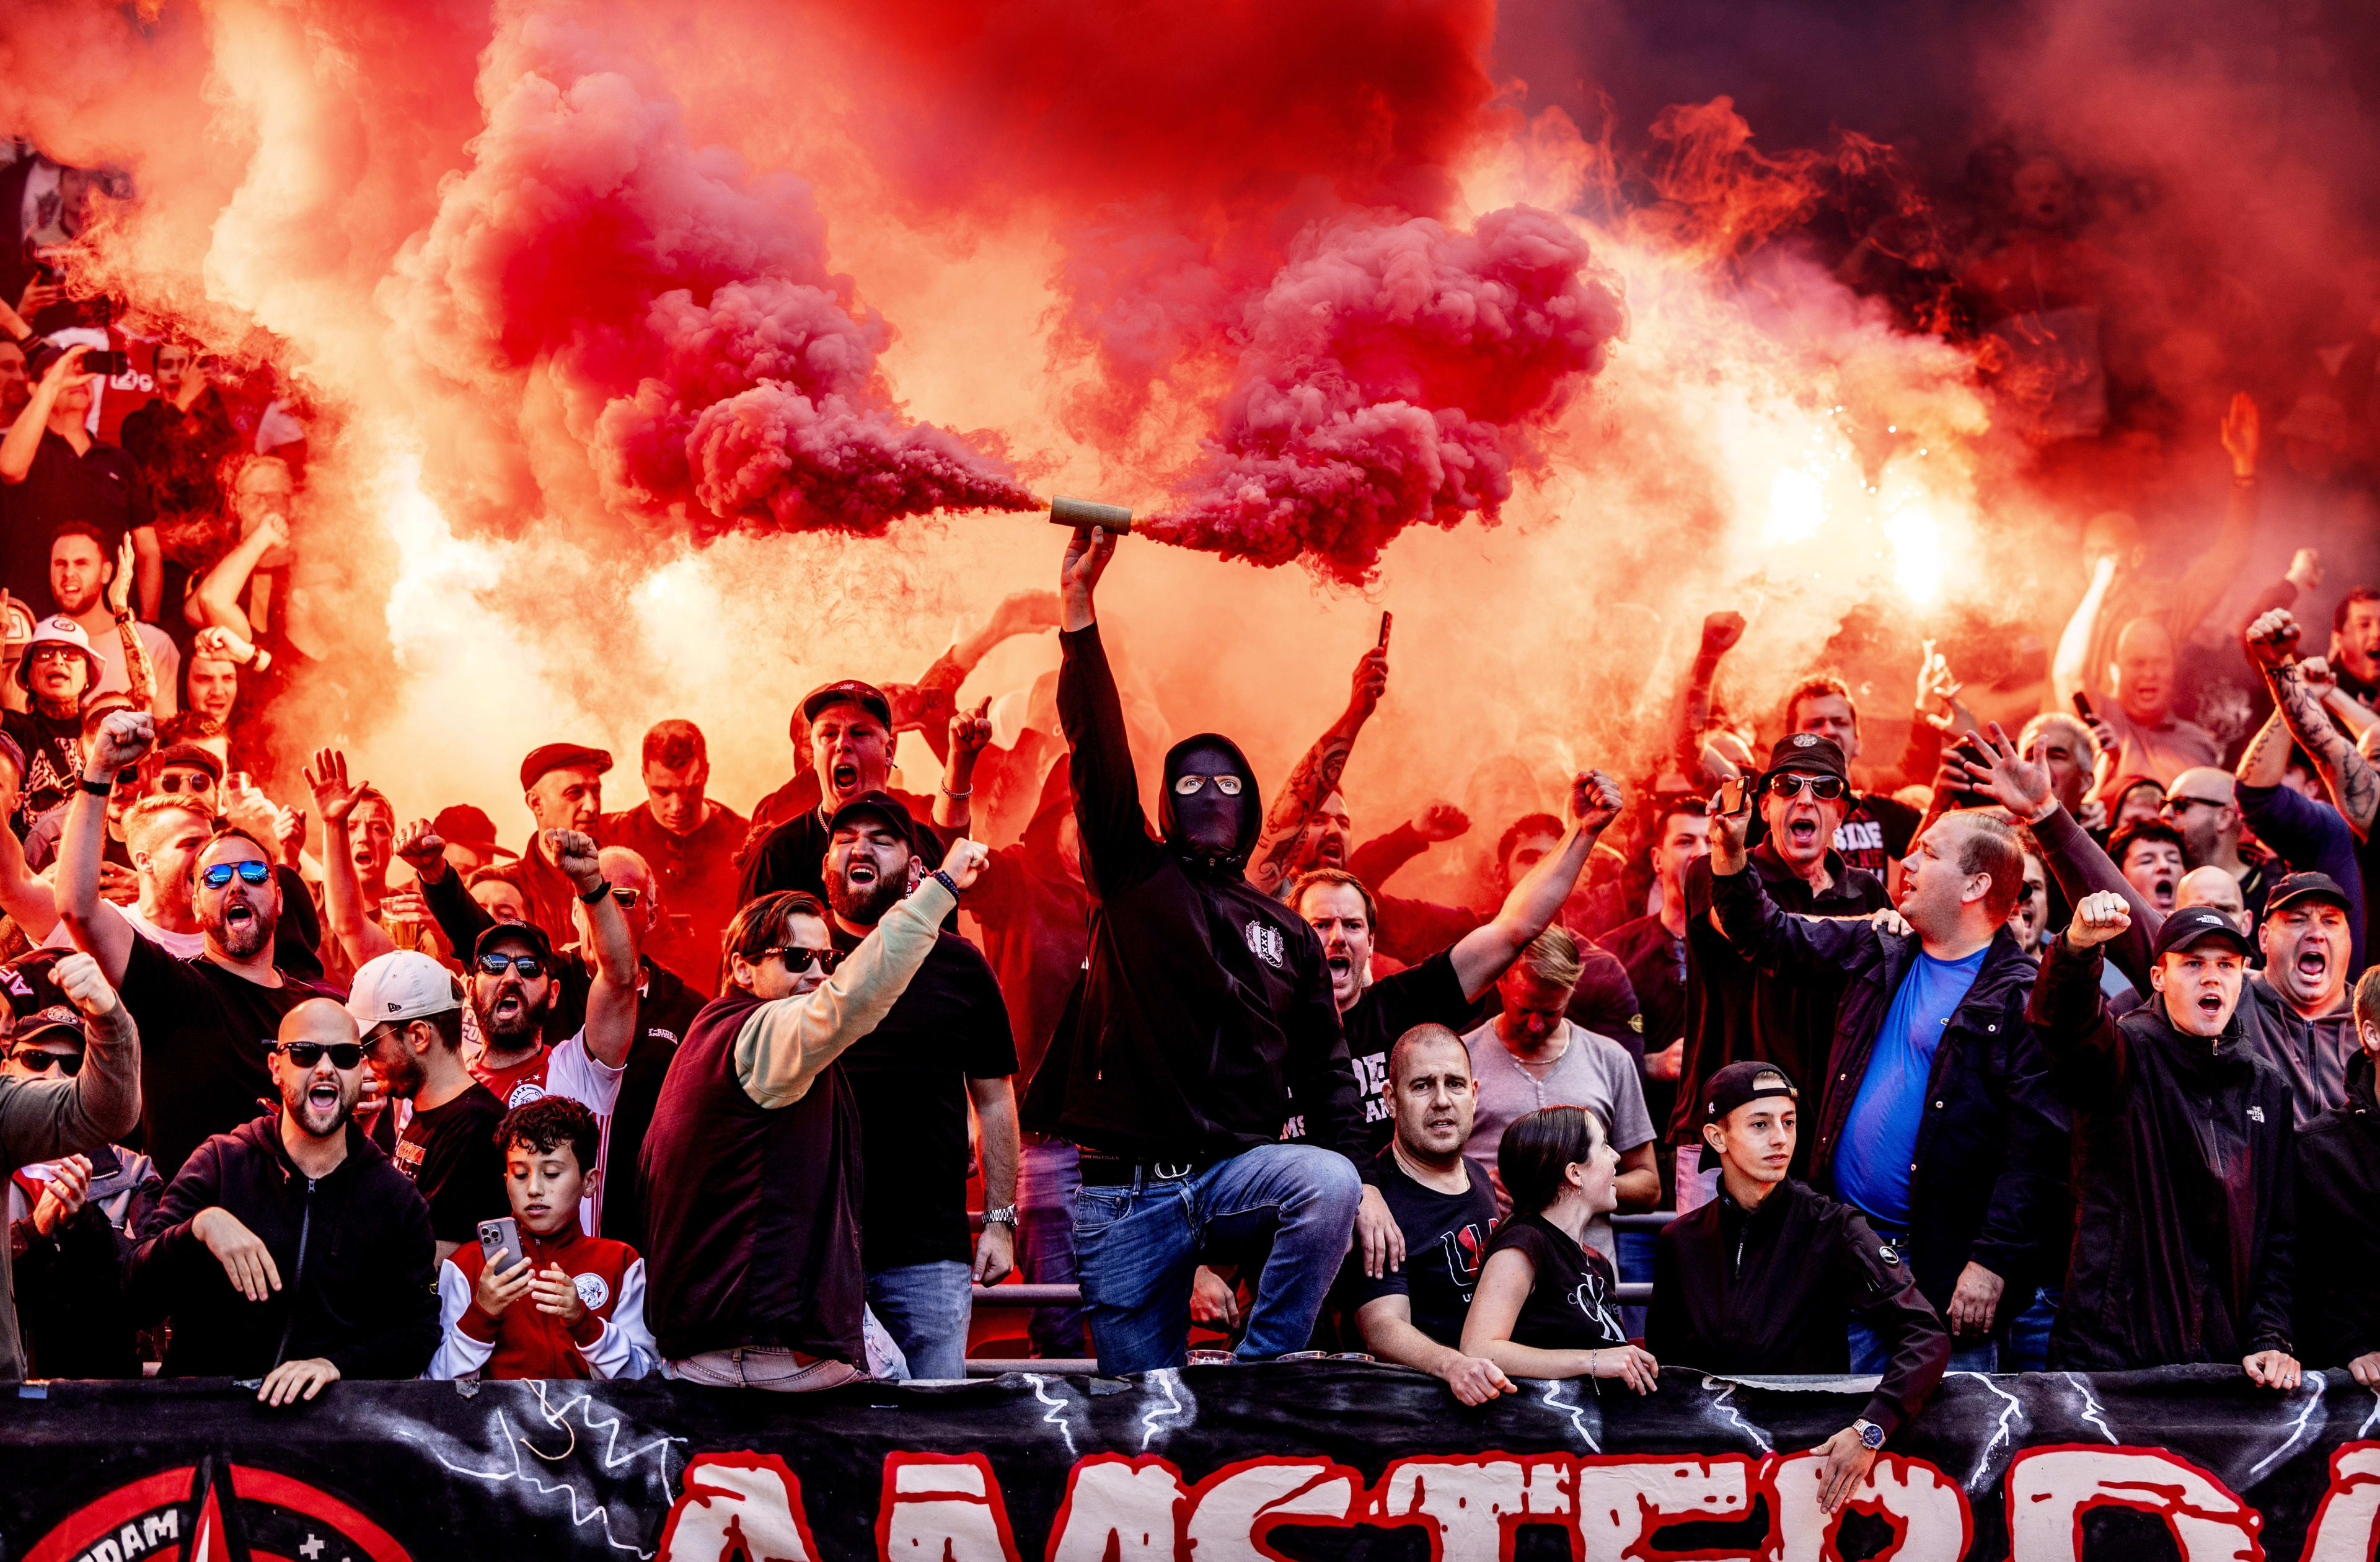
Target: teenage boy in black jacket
[(1935, 1117), (291, 1249), (2184, 1155)]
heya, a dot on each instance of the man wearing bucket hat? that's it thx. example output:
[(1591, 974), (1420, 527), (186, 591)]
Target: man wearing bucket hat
[(57, 671)]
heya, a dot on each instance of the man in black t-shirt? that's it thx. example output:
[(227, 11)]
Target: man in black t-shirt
[(203, 1021), (409, 1012), (1412, 1313), (946, 1042), (1442, 989)]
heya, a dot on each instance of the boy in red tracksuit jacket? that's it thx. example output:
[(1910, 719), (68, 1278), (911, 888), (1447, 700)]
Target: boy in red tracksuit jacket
[(573, 1306)]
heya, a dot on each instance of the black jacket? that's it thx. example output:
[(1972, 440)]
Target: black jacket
[(2338, 1301), (2185, 1182), (1768, 1292), (360, 1293), (1736, 1011), (1991, 1146), (1204, 1003)]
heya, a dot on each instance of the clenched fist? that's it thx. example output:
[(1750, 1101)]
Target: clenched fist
[(2099, 917), (125, 738), (574, 853), (964, 863), (86, 987)]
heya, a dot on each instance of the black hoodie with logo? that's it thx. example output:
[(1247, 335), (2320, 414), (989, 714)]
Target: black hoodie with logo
[(1204, 1003), (2185, 1172)]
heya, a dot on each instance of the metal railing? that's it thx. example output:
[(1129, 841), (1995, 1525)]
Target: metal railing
[(1018, 1294)]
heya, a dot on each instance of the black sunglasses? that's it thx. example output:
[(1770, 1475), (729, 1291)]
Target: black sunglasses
[(217, 875), (344, 1055), (195, 780), (1789, 784), (530, 967), (799, 959), (36, 1061)]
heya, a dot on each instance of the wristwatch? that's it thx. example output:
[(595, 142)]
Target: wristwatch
[(1004, 1215), (1871, 1434)]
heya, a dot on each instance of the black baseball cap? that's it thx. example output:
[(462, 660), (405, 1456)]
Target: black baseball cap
[(517, 932), (1809, 753), (2194, 925), (884, 806), (867, 696), (1746, 1080), (562, 756), (2307, 887)]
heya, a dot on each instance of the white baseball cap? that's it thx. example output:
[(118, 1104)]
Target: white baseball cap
[(400, 985)]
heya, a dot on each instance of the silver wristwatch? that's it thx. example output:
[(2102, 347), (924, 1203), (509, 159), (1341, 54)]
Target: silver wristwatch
[(1870, 1434), (1004, 1215)]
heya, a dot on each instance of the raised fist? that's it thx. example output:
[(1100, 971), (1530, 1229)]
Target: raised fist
[(1441, 822), (574, 853), (964, 863), (2305, 570), (79, 978), (2273, 638), (1596, 799), (2098, 918), (1722, 630), (971, 731), (419, 848), (125, 738)]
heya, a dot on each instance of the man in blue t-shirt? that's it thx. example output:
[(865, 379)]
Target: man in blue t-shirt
[(1934, 1116)]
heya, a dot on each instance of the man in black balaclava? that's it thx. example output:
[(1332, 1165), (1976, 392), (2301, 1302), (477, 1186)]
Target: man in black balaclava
[(1203, 1005)]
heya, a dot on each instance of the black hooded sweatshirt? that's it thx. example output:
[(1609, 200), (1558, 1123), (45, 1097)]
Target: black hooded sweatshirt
[(1204, 1003), (2184, 1178)]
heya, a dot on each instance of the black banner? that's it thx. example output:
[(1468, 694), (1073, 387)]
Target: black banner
[(1294, 1460)]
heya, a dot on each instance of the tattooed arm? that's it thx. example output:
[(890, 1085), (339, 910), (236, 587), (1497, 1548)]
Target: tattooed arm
[(1315, 777), (2298, 692)]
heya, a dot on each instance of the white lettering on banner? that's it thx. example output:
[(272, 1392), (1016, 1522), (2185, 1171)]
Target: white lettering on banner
[(747, 1505), (942, 1507), (1232, 1510), (1472, 1506), (1927, 1510), (2050, 1489), (1623, 1499), (2344, 1526), (1119, 1509)]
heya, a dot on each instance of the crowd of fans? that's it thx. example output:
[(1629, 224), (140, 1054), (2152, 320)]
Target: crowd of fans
[(2036, 1051)]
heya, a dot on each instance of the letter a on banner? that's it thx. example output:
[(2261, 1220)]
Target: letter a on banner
[(1119, 1509), (1926, 1510), (737, 1505), (942, 1507), (2050, 1489)]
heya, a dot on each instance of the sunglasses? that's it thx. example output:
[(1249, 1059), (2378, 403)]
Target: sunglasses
[(346, 1056), (799, 959), (217, 875), (1792, 784), (1190, 785), (626, 897), (530, 967), (2183, 804), (36, 1061), (179, 780)]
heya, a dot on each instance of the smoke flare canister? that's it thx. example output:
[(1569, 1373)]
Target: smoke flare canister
[(1083, 513)]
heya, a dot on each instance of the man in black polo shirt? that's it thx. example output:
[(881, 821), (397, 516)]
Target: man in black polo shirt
[(1735, 1011), (1412, 1313), (52, 470), (946, 1042), (850, 730)]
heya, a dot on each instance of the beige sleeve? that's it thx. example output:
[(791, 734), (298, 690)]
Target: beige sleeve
[(787, 1043)]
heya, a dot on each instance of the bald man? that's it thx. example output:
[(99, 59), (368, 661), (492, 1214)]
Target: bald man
[(2202, 803), (2136, 710), (222, 1255), (2213, 886)]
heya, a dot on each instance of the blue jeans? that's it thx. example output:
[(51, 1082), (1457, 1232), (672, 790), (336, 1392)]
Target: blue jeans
[(1137, 1246), (1047, 1178), (2026, 1348), (1871, 1353), (1636, 1250), (926, 1308)]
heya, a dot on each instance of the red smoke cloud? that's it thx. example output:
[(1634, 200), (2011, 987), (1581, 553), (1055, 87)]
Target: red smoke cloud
[(1392, 375), (714, 372)]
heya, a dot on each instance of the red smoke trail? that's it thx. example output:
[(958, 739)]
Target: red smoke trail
[(717, 375)]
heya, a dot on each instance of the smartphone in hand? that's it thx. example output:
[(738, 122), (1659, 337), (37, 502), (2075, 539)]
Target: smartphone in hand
[(500, 1243), (1733, 797)]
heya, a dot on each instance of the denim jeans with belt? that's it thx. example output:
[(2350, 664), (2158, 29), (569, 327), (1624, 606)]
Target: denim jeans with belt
[(1137, 1246)]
